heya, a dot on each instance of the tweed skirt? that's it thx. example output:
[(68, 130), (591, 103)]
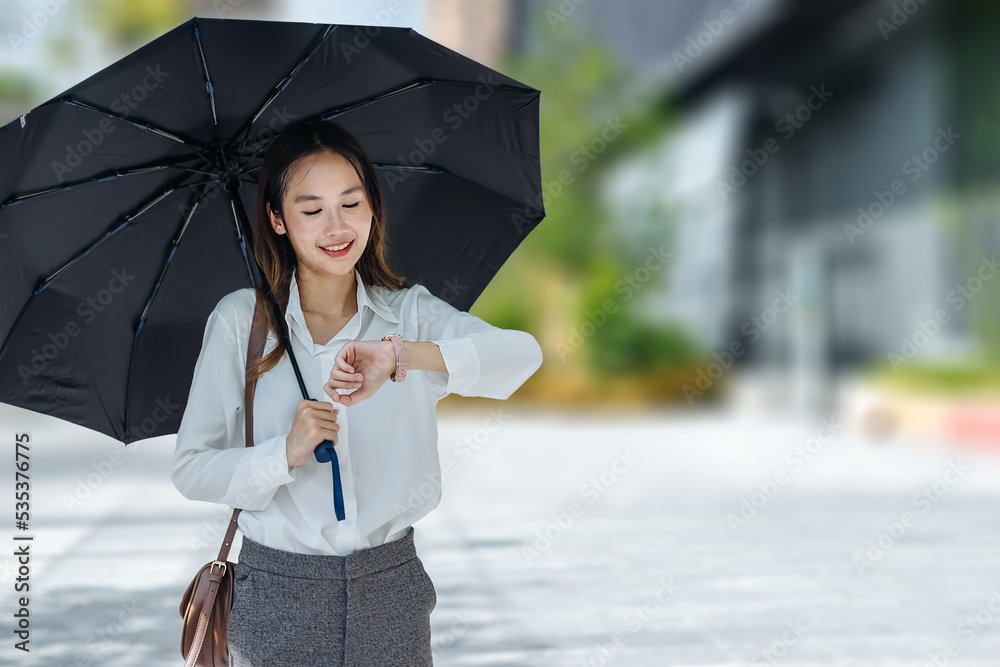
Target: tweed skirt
[(369, 608)]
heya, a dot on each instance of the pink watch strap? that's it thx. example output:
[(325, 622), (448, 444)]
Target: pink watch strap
[(401, 357)]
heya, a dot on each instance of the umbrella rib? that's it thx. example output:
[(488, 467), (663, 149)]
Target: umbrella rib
[(329, 114), (45, 283), (196, 184), (434, 169), (413, 85), (193, 146), (125, 221), (210, 90), (242, 239), (280, 87), (197, 199), (105, 176)]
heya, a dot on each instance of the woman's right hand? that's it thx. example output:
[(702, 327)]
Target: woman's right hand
[(314, 422)]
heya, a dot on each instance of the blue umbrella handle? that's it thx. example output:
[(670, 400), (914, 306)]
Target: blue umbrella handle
[(327, 452)]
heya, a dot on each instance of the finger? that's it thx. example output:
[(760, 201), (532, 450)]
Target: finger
[(326, 418), (342, 365), (341, 358), (320, 406), (330, 387), (323, 410), (354, 397), (345, 376)]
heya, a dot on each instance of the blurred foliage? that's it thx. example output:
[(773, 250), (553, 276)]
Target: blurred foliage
[(974, 206), (583, 87), (508, 302), (623, 340), (584, 90), (16, 85), (129, 24), (951, 379)]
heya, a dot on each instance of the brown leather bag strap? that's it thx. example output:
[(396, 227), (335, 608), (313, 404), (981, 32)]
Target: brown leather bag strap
[(214, 581), (255, 350)]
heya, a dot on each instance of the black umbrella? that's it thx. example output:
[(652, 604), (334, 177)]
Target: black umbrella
[(123, 200)]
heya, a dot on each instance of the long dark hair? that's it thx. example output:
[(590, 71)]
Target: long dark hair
[(274, 252)]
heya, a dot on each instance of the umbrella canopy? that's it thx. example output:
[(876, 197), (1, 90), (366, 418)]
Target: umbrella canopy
[(123, 200)]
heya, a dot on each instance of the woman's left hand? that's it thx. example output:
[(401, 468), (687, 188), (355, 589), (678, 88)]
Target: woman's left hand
[(364, 365)]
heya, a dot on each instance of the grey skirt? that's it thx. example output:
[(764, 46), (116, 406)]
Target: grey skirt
[(368, 608)]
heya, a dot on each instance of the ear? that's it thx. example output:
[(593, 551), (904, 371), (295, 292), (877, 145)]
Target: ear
[(276, 223)]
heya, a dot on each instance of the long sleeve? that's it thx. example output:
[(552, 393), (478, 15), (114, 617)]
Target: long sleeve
[(482, 360), (211, 461)]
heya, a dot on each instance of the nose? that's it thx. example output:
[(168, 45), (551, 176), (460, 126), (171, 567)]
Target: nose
[(334, 220)]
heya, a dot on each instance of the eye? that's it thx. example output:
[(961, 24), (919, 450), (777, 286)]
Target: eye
[(313, 212), (352, 205)]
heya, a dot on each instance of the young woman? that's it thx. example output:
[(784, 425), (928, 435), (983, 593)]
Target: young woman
[(311, 590)]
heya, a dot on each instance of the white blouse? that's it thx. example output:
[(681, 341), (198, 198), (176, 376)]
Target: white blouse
[(387, 443)]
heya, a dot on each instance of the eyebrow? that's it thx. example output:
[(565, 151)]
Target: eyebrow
[(348, 191)]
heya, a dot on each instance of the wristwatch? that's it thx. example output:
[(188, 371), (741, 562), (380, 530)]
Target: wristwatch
[(401, 358)]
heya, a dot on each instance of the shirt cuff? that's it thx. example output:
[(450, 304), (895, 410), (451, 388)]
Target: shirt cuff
[(462, 361), (269, 465)]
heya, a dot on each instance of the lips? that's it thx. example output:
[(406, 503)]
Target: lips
[(338, 253)]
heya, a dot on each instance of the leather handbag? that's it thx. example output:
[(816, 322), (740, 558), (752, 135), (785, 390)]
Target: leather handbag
[(208, 599)]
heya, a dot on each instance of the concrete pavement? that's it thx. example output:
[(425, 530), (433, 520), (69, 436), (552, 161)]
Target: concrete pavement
[(688, 539)]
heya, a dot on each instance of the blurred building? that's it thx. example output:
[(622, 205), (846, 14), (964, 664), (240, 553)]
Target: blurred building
[(480, 30), (806, 190)]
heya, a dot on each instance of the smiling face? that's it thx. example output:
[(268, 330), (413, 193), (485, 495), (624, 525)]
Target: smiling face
[(325, 206)]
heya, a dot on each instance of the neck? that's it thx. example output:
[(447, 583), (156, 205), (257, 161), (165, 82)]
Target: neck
[(335, 296)]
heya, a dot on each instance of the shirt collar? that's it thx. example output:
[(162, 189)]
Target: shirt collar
[(372, 301)]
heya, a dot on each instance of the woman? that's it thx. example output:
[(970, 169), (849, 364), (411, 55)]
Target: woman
[(311, 590)]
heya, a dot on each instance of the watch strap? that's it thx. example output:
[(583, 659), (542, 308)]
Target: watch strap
[(401, 357)]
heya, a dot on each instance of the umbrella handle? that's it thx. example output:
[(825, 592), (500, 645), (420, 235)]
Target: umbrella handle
[(326, 452)]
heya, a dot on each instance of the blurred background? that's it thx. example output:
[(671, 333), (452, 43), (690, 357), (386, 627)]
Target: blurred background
[(771, 225), (719, 182)]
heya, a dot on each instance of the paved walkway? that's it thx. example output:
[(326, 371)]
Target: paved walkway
[(575, 540)]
